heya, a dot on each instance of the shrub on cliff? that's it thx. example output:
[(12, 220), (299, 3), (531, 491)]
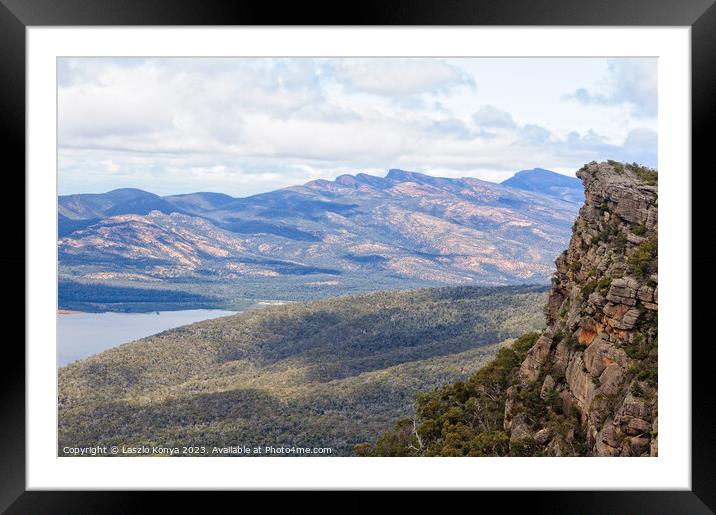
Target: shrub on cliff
[(644, 259)]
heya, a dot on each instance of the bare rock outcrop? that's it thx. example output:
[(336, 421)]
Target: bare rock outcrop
[(589, 384)]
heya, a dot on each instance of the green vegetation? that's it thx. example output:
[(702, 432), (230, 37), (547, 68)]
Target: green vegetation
[(558, 336), (606, 234), (565, 308), (646, 174), (620, 242), (133, 296), (330, 373), (461, 419), (78, 293), (619, 167), (604, 284), (612, 235), (644, 350), (643, 261), (73, 295), (636, 390), (639, 229), (601, 285)]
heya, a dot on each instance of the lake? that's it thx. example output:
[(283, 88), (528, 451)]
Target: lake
[(82, 334)]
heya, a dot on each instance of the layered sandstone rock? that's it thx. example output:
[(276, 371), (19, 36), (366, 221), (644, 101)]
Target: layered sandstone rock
[(594, 368)]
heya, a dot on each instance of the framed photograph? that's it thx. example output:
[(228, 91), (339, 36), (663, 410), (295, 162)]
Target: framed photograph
[(417, 249)]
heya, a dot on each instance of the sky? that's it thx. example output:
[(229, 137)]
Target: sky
[(247, 125)]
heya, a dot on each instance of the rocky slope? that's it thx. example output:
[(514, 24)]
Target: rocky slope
[(598, 356)]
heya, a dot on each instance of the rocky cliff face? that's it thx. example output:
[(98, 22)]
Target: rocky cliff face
[(595, 366)]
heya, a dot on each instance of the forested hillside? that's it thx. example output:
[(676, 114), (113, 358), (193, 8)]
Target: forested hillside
[(330, 373), (465, 418)]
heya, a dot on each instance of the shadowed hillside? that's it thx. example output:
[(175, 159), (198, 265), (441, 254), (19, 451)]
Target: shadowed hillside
[(325, 373)]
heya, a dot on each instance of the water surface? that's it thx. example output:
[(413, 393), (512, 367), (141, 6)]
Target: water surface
[(82, 334)]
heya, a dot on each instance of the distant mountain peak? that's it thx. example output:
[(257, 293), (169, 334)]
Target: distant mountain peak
[(393, 175), (346, 180), (130, 190), (544, 176), (547, 182), (127, 194), (535, 169), (373, 180), (402, 175)]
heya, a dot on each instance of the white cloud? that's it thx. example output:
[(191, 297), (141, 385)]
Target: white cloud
[(110, 166), (630, 81), (532, 134), (399, 77), (242, 126), (491, 117)]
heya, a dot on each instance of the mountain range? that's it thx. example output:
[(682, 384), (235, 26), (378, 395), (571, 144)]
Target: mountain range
[(406, 229)]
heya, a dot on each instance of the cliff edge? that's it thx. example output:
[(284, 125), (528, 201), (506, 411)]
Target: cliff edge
[(597, 358)]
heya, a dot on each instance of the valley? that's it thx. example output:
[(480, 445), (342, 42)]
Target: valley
[(440, 371), (333, 372)]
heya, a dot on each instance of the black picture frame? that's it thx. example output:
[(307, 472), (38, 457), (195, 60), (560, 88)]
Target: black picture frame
[(17, 15)]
